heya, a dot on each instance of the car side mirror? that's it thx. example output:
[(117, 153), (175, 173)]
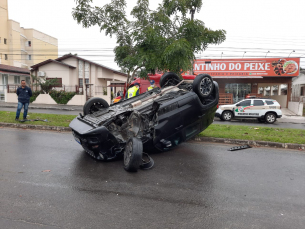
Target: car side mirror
[(237, 105)]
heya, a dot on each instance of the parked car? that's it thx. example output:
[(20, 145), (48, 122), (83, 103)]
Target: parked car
[(157, 120), (265, 110)]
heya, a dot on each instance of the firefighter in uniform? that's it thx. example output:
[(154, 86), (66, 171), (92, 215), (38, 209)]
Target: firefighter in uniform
[(152, 85), (133, 91)]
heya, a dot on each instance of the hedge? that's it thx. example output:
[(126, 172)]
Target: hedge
[(61, 97)]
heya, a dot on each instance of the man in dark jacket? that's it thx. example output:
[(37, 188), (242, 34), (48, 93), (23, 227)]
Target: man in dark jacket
[(24, 93)]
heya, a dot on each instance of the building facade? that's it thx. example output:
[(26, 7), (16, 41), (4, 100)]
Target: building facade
[(74, 73), (237, 78), (21, 47)]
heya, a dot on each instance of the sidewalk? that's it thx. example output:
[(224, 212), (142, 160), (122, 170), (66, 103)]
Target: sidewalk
[(290, 117), (44, 106)]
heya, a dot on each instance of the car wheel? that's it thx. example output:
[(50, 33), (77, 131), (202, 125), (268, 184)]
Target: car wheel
[(133, 155), (262, 120), (94, 104), (169, 79), (270, 118), (203, 85), (227, 115)]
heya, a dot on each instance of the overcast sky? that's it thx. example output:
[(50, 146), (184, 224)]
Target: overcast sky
[(252, 26)]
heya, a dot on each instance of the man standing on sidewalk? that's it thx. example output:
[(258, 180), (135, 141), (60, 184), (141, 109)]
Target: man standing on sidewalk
[(24, 93)]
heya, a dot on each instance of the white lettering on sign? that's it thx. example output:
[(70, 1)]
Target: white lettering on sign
[(223, 66), (238, 66), (267, 66), (246, 66), (261, 66), (231, 66)]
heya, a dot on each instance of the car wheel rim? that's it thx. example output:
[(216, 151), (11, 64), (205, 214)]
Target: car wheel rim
[(270, 118), (227, 116), (205, 86), (127, 153), (171, 81), (95, 107)]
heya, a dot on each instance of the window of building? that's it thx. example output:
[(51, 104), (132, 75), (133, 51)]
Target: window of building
[(245, 103), (58, 83), (5, 41), (80, 81), (28, 80), (29, 43), (239, 90), (30, 57), (269, 102), (5, 56), (16, 79), (258, 103)]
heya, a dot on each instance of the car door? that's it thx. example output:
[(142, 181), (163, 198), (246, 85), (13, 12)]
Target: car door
[(258, 108), (242, 108)]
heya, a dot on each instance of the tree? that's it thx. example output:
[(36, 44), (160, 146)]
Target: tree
[(45, 85), (165, 39)]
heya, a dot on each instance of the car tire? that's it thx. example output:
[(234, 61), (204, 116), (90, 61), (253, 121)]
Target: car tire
[(133, 155), (94, 104), (270, 118), (169, 79), (203, 85), (262, 120), (227, 115)]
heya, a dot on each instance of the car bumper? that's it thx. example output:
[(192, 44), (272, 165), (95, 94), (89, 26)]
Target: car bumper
[(97, 142), (217, 115)]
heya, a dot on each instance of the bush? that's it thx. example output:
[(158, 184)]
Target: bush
[(61, 97), (34, 96)]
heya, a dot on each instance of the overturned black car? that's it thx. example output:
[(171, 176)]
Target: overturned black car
[(153, 121)]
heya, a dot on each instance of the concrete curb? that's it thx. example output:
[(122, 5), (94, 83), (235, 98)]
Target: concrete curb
[(198, 139), (35, 127), (252, 143), (46, 108)]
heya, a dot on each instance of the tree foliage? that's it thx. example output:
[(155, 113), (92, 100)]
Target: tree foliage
[(45, 85), (165, 39)]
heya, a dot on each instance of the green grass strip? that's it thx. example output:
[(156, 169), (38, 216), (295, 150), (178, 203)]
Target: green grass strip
[(255, 133), (53, 119)]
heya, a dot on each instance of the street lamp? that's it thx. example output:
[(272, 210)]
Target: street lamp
[(291, 52), (267, 53), (221, 55), (244, 54)]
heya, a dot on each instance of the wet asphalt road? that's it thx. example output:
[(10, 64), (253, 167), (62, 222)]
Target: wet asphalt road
[(47, 181), (249, 122)]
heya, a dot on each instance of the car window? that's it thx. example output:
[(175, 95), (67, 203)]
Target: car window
[(258, 103), (245, 103), (269, 102)]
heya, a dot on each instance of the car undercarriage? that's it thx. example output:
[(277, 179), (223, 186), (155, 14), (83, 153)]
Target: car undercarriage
[(152, 121)]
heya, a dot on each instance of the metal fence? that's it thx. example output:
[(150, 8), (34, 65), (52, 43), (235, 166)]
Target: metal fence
[(12, 88), (100, 90), (300, 99)]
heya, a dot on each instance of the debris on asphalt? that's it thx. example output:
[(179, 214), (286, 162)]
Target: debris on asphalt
[(239, 147), (46, 171)]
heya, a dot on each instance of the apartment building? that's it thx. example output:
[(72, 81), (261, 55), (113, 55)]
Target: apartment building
[(21, 47)]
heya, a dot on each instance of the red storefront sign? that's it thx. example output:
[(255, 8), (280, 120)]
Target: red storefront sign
[(266, 67)]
